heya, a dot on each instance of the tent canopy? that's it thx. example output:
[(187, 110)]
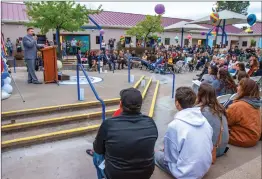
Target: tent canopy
[(229, 16), (186, 27)]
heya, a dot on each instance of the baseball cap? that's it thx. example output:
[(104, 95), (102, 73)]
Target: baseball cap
[(131, 99)]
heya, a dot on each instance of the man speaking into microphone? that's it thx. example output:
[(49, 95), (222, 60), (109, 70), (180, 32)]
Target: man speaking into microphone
[(30, 54)]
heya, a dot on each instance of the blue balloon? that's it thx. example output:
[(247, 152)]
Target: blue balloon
[(251, 19), (2, 82), (4, 75)]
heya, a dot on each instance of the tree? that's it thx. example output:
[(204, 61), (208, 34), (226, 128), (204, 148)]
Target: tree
[(235, 6), (146, 28), (58, 15)]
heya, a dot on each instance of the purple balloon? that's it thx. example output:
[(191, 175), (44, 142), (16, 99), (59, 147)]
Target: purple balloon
[(160, 9), (102, 31), (203, 33)]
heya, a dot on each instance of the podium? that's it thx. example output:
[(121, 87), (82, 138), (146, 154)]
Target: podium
[(50, 64)]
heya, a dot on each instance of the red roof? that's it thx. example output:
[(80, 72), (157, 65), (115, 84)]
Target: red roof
[(16, 12), (257, 29)]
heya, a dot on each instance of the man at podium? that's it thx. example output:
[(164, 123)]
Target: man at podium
[(30, 54)]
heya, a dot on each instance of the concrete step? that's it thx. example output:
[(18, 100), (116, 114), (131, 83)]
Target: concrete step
[(34, 130)]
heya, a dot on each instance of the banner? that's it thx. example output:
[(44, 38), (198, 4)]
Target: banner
[(84, 41), (210, 42)]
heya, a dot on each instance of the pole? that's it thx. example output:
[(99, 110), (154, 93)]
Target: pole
[(173, 85), (182, 37), (129, 69), (14, 64), (17, 87), (223, 29), (78, 84), (98, 64)]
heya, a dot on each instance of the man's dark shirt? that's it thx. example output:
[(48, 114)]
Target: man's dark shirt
[(127, 142)]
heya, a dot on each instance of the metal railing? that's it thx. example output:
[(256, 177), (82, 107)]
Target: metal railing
[(92, 87)]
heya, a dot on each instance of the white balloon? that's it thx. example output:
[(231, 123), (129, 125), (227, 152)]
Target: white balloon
[(7, 88), (7, 80), (4, 59), (59, 64), (5, 95)]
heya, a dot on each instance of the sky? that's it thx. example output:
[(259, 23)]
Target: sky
[(187, 10)]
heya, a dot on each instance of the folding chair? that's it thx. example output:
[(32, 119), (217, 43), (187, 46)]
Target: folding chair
[(230, 100), (224, 98)]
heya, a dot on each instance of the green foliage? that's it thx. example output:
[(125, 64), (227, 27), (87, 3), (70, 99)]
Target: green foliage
[(62, 15), (253, 42), (235, 6), (147, 28)]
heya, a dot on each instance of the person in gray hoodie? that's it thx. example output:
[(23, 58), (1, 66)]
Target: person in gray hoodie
[(188, 140), (213, 111)]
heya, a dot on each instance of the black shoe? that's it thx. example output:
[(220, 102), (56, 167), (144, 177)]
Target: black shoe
[(29, 82), (37, 82)]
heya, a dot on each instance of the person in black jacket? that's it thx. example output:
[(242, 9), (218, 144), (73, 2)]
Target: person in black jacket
[(127, 141)]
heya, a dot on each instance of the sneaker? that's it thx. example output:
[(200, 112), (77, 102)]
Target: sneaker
[(37, 82)]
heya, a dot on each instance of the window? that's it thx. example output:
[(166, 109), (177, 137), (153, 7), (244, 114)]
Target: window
[(98, 39), (186, 42), (253, 43), (128, 40), (167, 41), (227, 43), (244, 43)]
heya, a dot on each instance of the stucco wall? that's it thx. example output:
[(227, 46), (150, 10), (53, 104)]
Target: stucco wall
[(14, 31)]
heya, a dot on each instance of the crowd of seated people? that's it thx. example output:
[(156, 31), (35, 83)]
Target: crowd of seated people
[(200, 117), (175, 58), (126, 142)]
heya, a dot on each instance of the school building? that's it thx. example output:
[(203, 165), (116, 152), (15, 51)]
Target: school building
[(115, 25)]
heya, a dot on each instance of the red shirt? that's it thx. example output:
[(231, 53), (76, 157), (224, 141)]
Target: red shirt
[(117, 113)]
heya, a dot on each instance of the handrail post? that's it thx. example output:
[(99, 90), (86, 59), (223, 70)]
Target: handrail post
[(95, 93), (173, 86), (99, 63), (78, 83), (128, 69), (14, 64)]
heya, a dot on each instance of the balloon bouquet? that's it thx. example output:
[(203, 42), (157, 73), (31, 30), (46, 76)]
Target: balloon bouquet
[(214, 18), (251, 20), (7, 89)]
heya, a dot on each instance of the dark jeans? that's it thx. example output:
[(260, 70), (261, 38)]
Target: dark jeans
[(97, 160), (200, 64), (121, 62), (74, 50)]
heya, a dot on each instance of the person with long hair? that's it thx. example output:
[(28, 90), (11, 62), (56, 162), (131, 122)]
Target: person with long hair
[(226, 83), (259, 71), (243, 115), (253, 66), (215, 114), (211, 76), (239, 67)]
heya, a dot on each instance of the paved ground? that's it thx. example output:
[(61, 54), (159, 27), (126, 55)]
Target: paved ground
[(67, 159)]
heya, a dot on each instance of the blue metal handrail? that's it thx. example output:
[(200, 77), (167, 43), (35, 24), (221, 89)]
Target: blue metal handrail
[(92, 87), (173, 83), (14, 64)]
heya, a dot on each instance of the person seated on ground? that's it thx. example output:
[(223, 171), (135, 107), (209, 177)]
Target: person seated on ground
[(239, 67), (259, 71), (121, 60), (211, 76), (226, 84), (214, 113), (188, 140), (253, 66), (243, 115), (127, 141)]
